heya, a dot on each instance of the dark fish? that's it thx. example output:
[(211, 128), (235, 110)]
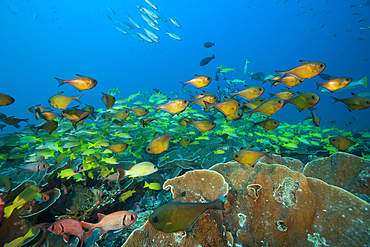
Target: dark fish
[(361, 20), (6, 183), (209, 44), (217, 77), (156, 90), (206, 60), (260, 76), (325, 76), (180, 216), (333, 121)]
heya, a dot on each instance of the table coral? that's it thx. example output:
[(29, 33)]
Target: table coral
[(205, 186), (344, 170)]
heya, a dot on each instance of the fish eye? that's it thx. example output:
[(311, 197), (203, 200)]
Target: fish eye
[(279, 101), (155, 219), (236, 156), (333, 139), (321, 65), (148, 149), (313, 97), (53, 227), (185, 101), (367, 102), (260, 89)]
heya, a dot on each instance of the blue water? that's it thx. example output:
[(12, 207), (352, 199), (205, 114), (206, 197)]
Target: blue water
[(70, 37)]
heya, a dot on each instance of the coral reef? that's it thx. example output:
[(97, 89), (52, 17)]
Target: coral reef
[(344, 170), (267, 205)]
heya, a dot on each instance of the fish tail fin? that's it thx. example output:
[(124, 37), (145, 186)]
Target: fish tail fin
[(318, 85), (213, 56), (146, 185), (249, 113), (121, 174), (271, 95), (335, 99), (280, 73), (218, 204), (8, 211), (87, 226), (61, 82), (77, 98), (183, 83), (208, 106), (35, 129), (270, 154)]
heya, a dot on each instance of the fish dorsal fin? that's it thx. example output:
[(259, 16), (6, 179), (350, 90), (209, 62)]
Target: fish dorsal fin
[(60, 93), (100, 216), (355, 95), (132, 166), (80, 75), (303, 61), (299, 92)]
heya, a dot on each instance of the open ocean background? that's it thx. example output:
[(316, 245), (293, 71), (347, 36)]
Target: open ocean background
[(41, 40)]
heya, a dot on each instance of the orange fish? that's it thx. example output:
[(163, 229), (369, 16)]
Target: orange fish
[(335, 83), (139, 111), (284, 94), (202, 95), (227, 107), (268, 124), (174, 106), (114, 221), (315, 119), (304, 100), (145, 121), (67, 227), (108, 100), (6, 99), (184, 121), (81, 82), (253, 104), (288, 80), (249, 157), (185, 141), (354, 103), (73, 113), (251, 93), (61, 101), (33, 108), (199, 81), (203, 125), (121, 115), (304, 71), (235, 116), (341, 142), (49, 115), (209, 98), (118, 147), (14, 121), (158, 145), (268, 108)]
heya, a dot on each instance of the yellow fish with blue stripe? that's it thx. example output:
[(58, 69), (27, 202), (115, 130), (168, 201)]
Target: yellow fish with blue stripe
[(25, 196), (152, 186), (19, 241)]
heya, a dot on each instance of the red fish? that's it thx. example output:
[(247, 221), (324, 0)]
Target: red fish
[(114, 221), (35, 167), (67, 227), (2, 205)]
